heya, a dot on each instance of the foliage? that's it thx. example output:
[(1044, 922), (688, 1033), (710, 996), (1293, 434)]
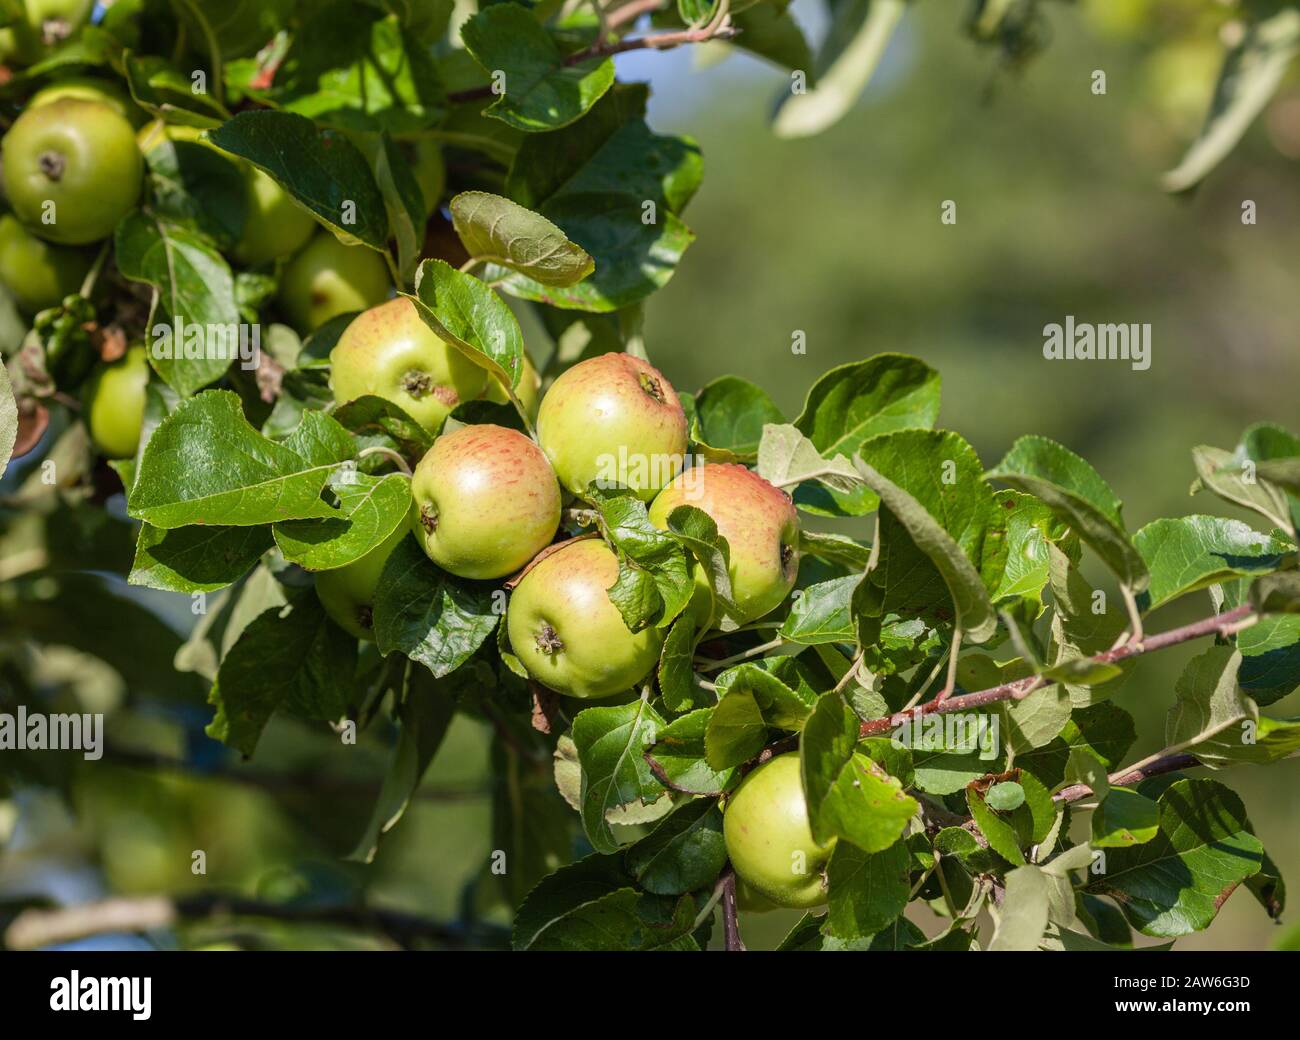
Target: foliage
[(961, 593)]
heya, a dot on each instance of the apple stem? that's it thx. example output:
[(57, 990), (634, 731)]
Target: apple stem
[(730, 919)]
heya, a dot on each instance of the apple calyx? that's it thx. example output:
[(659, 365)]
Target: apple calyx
[(429, 518), (366, 617), (416, 383), (651, 386), (549, 641), (52, 165)]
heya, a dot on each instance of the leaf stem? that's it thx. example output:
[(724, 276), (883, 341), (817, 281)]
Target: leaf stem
[(705, 665), (394, 457)]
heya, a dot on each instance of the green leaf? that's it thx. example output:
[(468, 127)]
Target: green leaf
[(196, 559), (352, 68), (611, 743), (656, 554), (596, 180), (947, 522), (699, 534), (1233, 476), (678, 685), (429, 615), (1270, 666), (822, 613), (320, 168), (544, 90), (786, 459), (1005, 796), (197, 186), (466, 313), (728, 420), (848, 795), (8, 420), (1174, 884), (1022, 919), (999, 831), (205, 464), (846, 62), (1025, 571), (165, 92), (772, 33), (1125, 818), (677, 756), (1210, 703), (684, 852), (835, 548), (194, 286), (291, 658), (425, 711), (496, 230), (853, 403), (1252, 71), (868, 890), (1077, 493), (373, 508), (1192, 552), (562, 893)]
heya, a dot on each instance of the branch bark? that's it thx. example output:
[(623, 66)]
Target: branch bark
[(730, 918), (1219, 624), (1132, 775)]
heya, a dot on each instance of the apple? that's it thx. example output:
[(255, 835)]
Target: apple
[(389, 351), (768, 839), (113, 402), (72, 170), (348, 593), (760, 525), (530, 383), (327, 278), (42, 25), (487, 501), (616, 421), (88, 88), (274, 225), (568, 634), (38, 274)]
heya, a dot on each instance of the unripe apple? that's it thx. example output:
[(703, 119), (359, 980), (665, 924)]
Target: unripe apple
[(327, 278), (760, 525), (274, 225), (348, 593), (38, 274), (90, 88), (113, 402), (528, 391), (388, 351), (769, 842), (613, 420), (486, 500), (568, 634)]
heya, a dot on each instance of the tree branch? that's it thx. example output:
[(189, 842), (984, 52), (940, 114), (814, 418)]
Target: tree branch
[(730, 923), (1133, 774), (1219, 624), (605, 49), (33, 929)]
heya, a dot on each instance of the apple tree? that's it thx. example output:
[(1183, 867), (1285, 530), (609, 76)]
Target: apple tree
[(269, 269)]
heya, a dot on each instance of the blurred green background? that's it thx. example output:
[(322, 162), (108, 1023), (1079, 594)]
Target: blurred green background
[(1058, 212)]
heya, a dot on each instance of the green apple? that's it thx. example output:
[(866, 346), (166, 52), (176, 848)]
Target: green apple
[(348, 593), (274, 225), (615, 421), (760, 525), (769, 842), (389, 351), (38, 274), (72, 170), (44, 24), (486, 500), (528, 391), (327, 278), (89, 88), (113, 403), (568, 634)]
